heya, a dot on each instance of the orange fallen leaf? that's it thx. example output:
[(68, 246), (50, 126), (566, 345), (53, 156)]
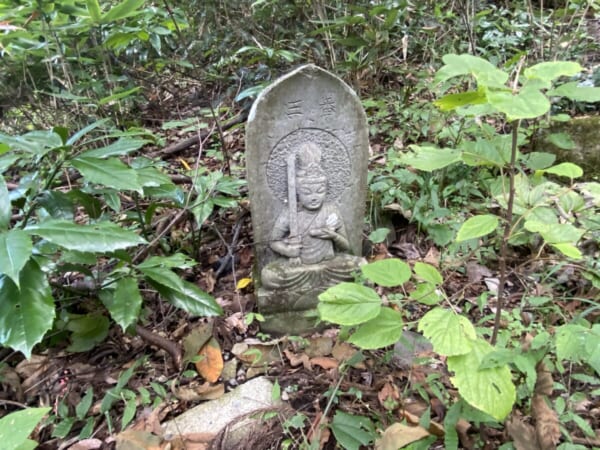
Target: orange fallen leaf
[(325, 362), (210, 364)]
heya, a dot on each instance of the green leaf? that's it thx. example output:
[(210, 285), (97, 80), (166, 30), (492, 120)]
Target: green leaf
[(118, 95), (427, 294), (5, 207), (349, 304), (477, 226), (539, 160), (449, 333), (17, 426), (163, 276), (387, 272), (568, 250), (176, 260), (452, 101), (190, 298), (383, 330), (352, 431), (483, 71), (121, 147), (124, 303), (26, 314), (377, 236), (125, 9), (94, 10), (87, 331), (427, 272), (526, 104), (561, 140), (202, 211), (577, 93), (565, 169), (490, 390), (15, 250), (555, 233), (109, 172), (551, 70), (428, 158), (577, 344), (85, 404), (100, 237)]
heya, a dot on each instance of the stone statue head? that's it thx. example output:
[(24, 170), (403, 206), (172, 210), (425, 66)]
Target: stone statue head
[(311, 181)]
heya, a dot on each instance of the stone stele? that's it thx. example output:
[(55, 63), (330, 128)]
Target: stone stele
[(306, 155)]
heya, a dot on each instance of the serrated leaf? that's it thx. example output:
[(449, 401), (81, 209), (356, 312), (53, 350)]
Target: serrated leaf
[(100, 237), (5, 207), (124, 303), (555, 233), (189, 298), (428, 273), (110, 172), (490, 390), (428, 158), (17, 426), (477, 226), (352, 431), (15, 250), (349, 304), (383, 330), (210, 364), (565, 169), (163, 276), (387, 272), (26, 314), (121, 147), (449, 333)]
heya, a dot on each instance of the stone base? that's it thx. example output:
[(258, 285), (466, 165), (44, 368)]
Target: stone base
[(292, 323)]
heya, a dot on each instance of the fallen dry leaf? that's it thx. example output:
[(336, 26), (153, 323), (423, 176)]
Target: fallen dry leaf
[(325, 362), (206, 391), (432, 257), (196, 339), (210, 364), (342, 351), (434, 427), (319, 346), (87, 444), (398, 435), (544, 384), (522, 434), (137, 440), (388, 396), (296, 360)]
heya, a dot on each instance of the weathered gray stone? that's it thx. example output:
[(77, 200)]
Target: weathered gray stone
[(306, 157), (213, 416)]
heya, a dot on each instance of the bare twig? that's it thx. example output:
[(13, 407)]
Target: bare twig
[(170, 347)]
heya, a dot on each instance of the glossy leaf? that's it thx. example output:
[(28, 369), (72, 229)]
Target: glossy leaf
[(163, 276), (26, 314), (15, 250), (477, 226), (387, 272), (124, 303), (428, 158), (5, 207), (100, 237), (449, 333), (109, 172), (490, 390), (87, 331), (15, 427), (349, 304), (383, 330), (189, 298), (123, 146)]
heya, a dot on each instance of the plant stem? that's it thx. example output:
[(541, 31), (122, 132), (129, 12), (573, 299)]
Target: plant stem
[(507, 229)]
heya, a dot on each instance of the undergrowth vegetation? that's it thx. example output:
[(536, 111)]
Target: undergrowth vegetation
[(100, 217)]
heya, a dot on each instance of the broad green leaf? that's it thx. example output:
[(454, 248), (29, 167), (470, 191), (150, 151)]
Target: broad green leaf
[(26, 314), (109, 172), (561, 140), (127, 8), (551, 70), (428, 273), (526, 104), (87, 331), (449, 333), (483, 71), (429, 158), (37, 142), (490, 390), (377, 236), (100, 237), (202, 211), (427, 294), (352, 432), (570, 342), (484, 152), (163, 276), (152, 177), (349, 304), (190, 298), (121, 147), (176, 260), (124, 303), (555, 233), (383, 330), (539, 160), (565, 169), (387, 272), (85, 130), (5, 207), (94, 10), (477, 226), (15, 427), (452, 101), (568, 250), (15, 250), (577, 93)]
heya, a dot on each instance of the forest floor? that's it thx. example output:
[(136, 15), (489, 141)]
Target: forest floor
[(309, 370)]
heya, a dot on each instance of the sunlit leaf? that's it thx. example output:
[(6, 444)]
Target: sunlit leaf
[(383, 330), (429, 158), (387, 272), (349, 304), (110, 172), (5, 206), (449, 333), (565, 169), (17, 426), (15, 250), (477, 226)]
